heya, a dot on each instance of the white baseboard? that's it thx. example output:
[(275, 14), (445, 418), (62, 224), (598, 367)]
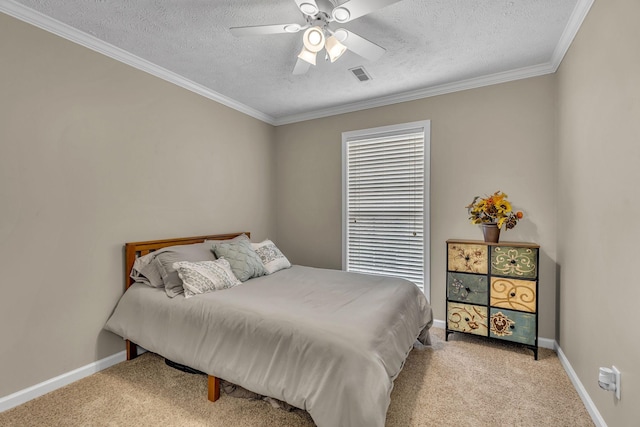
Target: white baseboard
[(23, 396), (547, 343), (440, 324), (577, 384), (582, 392), (38, 390), (542, 342)]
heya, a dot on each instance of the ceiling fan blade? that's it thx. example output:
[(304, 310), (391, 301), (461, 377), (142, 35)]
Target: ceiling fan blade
[(308, 7), (358, 8), (361, 46), (301, 67), (259, 30)]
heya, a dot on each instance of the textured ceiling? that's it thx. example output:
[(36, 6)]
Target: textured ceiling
[(430, 43)]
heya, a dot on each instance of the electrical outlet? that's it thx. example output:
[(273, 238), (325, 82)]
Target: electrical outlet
[(609, 379)]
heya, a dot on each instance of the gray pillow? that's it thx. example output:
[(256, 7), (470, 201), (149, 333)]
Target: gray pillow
[(165, 258), (238, 238), (145, 271), (245, 262)]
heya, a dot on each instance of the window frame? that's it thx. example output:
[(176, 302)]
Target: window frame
[(348, 136)]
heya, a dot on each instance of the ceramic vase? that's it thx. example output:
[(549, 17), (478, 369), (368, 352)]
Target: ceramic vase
[(491, 232)]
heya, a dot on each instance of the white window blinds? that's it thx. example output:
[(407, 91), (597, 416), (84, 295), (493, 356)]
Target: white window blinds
[(385, 203)]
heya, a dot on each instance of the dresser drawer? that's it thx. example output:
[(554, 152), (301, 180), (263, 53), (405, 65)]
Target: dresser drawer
[(468, 258), (467, 318), (514, 262), (515, 294), (471, 288), (512, 326)]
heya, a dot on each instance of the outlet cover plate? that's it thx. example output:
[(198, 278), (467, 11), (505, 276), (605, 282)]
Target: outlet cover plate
[(616, 372)]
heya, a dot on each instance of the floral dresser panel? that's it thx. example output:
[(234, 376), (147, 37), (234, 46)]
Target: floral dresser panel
[(514, 261), (512, 325), (471, 288), (468, 258)]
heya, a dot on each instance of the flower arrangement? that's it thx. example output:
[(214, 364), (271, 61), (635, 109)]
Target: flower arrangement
[(493, 209)]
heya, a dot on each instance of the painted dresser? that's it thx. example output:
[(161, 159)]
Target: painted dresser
[(492, 290)]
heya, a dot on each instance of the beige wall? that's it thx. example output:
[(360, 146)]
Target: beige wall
[(495, 138), (94, 153), (598, 204), (74, 125)]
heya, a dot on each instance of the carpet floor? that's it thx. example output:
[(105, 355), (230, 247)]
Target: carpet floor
[(467, 381)]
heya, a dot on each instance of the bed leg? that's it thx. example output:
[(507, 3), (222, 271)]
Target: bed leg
[(132, 350), (214, 388)]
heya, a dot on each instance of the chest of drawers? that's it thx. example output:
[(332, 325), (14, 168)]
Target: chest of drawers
[(492, 290)]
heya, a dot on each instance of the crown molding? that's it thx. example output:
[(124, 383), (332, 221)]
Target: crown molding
[(578, 15), (51, 25), (74, 35), (492, 79), (570, 31)]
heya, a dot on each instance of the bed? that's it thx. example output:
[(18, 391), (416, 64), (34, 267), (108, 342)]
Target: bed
[(326, 341)]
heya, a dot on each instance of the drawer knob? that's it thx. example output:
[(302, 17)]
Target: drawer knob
[(466, 319), (513, 294), (512, 326)]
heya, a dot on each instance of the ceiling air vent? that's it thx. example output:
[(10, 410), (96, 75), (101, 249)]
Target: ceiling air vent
[(360, 74)]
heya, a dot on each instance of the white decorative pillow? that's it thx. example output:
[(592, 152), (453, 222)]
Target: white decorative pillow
[(271, 257), (205, 276)]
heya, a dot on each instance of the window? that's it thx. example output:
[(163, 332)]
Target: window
[(385, 201)]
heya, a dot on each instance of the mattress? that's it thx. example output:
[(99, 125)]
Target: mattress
[(326, 341)]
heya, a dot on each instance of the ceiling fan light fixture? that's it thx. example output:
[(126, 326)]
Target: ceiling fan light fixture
[(313, 39), (292, 28), (341, 34), (341, 14), (309, 9), (335, 49), (308, 56)]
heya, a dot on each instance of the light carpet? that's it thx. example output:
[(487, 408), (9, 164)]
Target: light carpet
[(467, 381)]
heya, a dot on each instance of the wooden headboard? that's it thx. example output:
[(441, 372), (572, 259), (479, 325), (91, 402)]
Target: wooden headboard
[(134, 250)]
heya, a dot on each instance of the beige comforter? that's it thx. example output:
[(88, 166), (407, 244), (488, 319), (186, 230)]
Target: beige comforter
[(326, 341)]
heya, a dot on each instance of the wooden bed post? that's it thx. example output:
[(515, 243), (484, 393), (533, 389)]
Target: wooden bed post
[(132, 350), (213, 393)]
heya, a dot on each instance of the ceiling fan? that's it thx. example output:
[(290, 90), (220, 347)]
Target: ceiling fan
[(318, 34)]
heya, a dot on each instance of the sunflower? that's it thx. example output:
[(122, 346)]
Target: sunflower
[(493, 209)]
